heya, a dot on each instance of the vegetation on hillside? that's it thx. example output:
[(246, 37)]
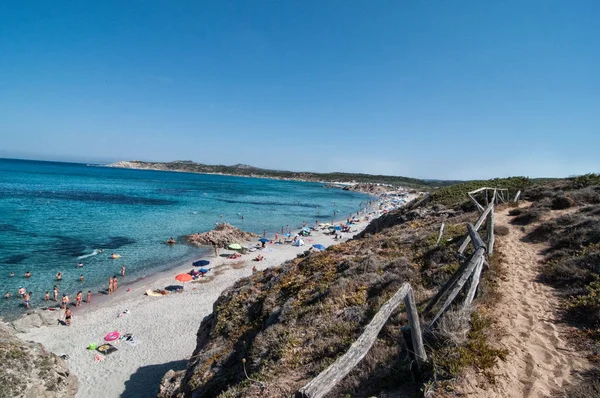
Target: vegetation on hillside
[(457, 193), (250, 171)]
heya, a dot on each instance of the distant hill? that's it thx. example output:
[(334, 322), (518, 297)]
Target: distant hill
[(251, 171)]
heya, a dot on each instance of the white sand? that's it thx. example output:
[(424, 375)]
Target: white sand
[(165, 326)]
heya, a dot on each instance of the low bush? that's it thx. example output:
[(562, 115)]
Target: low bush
[(529, 216), (515, 212), (561, 202)]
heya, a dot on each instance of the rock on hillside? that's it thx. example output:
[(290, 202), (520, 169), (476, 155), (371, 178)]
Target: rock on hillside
[(373, 189), (28, 370), (222, 235)]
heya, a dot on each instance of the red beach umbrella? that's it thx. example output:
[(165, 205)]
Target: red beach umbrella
[(184, 277)]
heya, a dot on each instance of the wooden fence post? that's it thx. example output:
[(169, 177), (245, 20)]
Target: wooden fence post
[(478, 224), (474, 283), (327, 379), (440, 236), (516, 199), (490, 233), (479, 207), (415, 328), (475, 259)]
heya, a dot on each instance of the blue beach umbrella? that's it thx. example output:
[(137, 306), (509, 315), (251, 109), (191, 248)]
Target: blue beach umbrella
[(264, 240), (200, 263), (287, 234), (319, 246)]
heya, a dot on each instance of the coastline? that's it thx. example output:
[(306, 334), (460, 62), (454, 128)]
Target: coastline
[(166, 326)]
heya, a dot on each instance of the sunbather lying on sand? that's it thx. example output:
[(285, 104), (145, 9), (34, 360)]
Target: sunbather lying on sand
[(259, 258)]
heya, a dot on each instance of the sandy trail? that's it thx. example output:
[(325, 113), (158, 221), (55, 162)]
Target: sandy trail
[(540, 361)]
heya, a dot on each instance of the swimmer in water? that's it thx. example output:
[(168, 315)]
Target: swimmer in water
[(80, 265), (27, 274), (59, 276)]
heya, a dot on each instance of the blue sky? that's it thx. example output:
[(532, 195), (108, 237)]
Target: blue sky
[(433, 89)]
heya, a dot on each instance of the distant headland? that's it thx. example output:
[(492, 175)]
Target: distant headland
[(244, 170)]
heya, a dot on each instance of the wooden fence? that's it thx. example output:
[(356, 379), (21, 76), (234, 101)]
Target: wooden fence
[(469, 271)]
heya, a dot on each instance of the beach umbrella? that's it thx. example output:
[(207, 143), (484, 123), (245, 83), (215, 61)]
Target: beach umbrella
[(287, 234), (200, 263), (184, 277), (264, 240), (318, 246), (235, 246)]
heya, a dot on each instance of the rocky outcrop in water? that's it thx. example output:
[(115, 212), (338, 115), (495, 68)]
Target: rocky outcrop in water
[(222, 236), (371, 189), (28, 370)]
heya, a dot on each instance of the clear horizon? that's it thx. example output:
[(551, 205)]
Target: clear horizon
[(454, 91)]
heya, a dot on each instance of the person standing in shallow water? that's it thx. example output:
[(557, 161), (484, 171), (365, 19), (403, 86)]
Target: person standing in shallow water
[(79, 298), (110, 286), (55, 292), (89, 297), (26, 299), (115, 284), (123, 270)]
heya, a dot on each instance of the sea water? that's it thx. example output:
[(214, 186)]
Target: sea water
[(56, 215)]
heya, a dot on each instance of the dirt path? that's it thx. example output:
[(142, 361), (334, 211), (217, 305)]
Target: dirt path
[(539, 360)]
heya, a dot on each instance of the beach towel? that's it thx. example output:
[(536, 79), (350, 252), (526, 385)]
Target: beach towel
[(130, 339), (107, 348), (98, 358)]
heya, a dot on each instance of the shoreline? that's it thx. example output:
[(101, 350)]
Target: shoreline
[(165, 326)]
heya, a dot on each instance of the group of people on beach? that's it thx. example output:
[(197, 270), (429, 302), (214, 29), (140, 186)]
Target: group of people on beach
[(65, 300)]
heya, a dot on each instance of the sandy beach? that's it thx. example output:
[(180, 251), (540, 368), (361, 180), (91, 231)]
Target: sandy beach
[(165, 326)]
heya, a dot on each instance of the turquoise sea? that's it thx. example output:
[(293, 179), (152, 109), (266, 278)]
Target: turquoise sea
[(54, 215)]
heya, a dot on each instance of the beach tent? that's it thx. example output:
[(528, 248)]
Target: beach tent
[(298, 242)]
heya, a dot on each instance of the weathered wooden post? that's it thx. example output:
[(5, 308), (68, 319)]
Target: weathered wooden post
[(440, 235), (490, 233), (516, 199), (470, 194), (474, 283), (478, 224), (460, 282), (415, 328)]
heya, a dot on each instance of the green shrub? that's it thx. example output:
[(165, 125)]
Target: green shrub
[(586, 180)]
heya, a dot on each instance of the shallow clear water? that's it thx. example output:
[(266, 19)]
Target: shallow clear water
[(51, 214)]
